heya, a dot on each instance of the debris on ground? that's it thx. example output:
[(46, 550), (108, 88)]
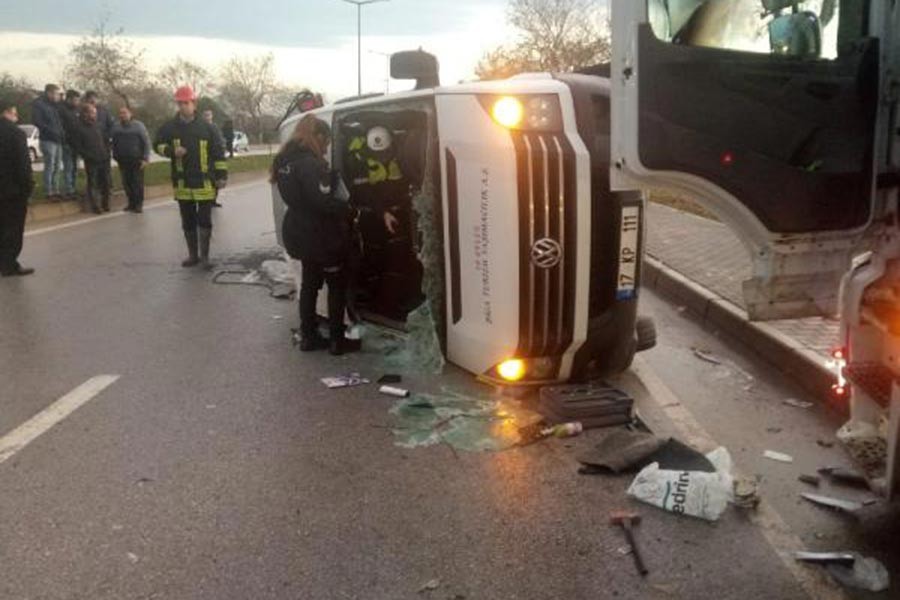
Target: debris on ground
[(847, 506), (746, 493), (825, 444), (693, 493), (627, 520), (467, 422), (396, 392), (430, 586), (536, 432), (844, 476), (626, 450), (774, 430), (824, 558), (810, 480), (798, 403), (390, 379), (593, 405), (851, 569), (778, 456), (707, 357), (345, 381)]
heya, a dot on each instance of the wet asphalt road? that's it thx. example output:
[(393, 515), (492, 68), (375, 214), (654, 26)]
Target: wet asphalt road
[(217, 466)]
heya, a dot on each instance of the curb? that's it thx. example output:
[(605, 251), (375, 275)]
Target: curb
[(715, 312)]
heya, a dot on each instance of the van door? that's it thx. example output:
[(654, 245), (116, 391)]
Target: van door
[(765, 112)]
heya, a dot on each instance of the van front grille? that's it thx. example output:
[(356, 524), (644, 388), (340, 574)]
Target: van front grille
[(547, 190)]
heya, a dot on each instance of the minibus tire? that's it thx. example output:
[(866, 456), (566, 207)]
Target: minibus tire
[(645, 332)]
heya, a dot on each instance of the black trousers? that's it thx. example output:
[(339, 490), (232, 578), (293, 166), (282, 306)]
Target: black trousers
[(314, 276), (98, 175), (133, 182), (195, 215), (12, 231)]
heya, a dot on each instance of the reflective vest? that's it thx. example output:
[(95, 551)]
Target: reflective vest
[(194, 173), (376, 171)]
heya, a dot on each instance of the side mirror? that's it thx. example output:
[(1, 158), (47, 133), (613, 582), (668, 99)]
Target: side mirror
[(418, 65), (797, 35)]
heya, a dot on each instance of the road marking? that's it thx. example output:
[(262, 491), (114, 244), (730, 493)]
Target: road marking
[(45, 420), (777, 533), (120, 213)]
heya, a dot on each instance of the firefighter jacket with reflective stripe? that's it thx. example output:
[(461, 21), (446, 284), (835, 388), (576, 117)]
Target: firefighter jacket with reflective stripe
[(194, 174), (368, 167)]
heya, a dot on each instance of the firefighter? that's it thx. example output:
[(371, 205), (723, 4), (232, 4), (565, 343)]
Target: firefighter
[(199, 170)]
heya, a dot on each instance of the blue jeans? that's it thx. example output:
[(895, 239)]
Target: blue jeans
[(52, 152), (70, 169)]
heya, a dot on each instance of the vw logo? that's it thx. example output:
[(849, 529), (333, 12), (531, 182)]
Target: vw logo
[(546, 253)]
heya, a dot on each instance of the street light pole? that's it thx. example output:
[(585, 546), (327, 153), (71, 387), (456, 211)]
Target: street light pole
[(359, 4)]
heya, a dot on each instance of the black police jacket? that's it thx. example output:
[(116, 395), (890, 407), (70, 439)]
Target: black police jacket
[(316, 225)]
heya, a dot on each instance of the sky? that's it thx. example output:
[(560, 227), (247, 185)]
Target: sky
[(313, 41)]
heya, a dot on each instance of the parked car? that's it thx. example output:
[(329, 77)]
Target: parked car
[(34, 141), (241, 142)]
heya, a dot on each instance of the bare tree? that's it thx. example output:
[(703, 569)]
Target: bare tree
[(554, 35), (184, 72), (249, 85), (106, 61)]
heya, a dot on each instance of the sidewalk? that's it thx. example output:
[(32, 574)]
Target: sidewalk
[(701, 264)]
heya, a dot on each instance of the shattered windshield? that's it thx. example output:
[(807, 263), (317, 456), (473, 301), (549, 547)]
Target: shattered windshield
[(762, 26)]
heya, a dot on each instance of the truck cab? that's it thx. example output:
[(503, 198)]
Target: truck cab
[(781, 118), (529, 263)]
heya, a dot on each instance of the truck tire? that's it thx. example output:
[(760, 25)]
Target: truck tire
[(645, 331)]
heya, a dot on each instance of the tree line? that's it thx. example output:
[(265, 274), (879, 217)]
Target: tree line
[(243, 88)]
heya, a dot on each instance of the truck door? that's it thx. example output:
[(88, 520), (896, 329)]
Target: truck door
[(766, 112)]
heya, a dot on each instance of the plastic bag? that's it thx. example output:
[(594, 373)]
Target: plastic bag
[(694, 493)]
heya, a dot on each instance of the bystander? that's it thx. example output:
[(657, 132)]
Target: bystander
[(45, 117), (131, 149), (16, 185), (91, 145), (68, 113)]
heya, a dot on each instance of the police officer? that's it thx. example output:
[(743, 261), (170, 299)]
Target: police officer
[(198, 171), (315, 229), (16, 185)]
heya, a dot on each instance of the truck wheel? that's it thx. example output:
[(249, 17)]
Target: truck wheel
[(645, 331)]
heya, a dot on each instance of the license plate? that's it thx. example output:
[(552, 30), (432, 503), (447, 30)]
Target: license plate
[(628, 253)]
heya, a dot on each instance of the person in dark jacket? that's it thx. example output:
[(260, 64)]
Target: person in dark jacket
[(45, 116), (68, 114), (198, 171), (90, 144), (105, 120), (315, 229), (228, 134), (131, 149), (16, 185)]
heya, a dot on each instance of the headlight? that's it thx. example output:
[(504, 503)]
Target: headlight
[(536, 112), (523, 371), (508, 111)]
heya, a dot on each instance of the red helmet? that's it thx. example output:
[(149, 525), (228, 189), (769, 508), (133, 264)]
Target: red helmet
[(185, 94)]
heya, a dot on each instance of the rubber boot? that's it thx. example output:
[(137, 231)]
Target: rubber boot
[(192, 260), (205, 237)]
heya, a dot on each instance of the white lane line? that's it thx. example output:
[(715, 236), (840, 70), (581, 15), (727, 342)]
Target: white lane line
[(119, 213), (45, 420), (777, 533)]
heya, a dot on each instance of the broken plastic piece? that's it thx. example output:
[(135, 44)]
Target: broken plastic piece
[(834, 503), (396, 392), (778, 456), (810, 480), (845, 476), (707, 357), (843, 558), (798, 403), (344, 381), (865, 574), (390, 379)]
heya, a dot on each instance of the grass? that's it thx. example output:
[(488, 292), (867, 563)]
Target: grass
[(158, 174)]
